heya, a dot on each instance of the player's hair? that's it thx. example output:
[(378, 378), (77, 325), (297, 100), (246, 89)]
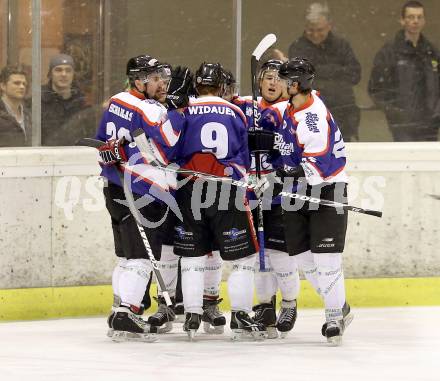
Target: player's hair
[(206, 90), (411, 4)]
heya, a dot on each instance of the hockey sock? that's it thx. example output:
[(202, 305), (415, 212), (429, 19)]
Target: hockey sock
[(265, 281), (133, 281), (331, 283), (119, 268), (241, 284), (193, 269), (168, 269), (306, 263), (213, 275), (286, 272)]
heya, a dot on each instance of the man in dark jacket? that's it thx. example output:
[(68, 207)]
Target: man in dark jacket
[(404, 80), (61, 102), (337, 68), (15, 118)]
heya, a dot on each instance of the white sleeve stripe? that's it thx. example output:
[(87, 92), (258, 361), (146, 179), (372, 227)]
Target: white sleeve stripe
[(169, 134)]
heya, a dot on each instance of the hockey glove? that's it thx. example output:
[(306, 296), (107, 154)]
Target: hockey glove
[(179, 88), (261, 140), (112, 152), (259, 186)]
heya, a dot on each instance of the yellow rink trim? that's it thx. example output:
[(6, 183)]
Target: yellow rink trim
[(44, 303)]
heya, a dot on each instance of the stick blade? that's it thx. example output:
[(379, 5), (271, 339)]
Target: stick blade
[(89, 142), (264, 44)]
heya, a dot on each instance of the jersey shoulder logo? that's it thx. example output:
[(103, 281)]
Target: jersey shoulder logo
[(312, 122)]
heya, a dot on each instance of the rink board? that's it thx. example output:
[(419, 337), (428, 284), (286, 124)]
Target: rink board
[(57, 302)]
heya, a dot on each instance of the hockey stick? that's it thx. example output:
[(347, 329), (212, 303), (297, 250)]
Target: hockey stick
[(144, 147), (264, 44), (142, 142), (137, 216)]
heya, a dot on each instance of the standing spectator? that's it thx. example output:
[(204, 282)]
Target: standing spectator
[(15, 119), (337, 68), (61, 101), (404, 80)]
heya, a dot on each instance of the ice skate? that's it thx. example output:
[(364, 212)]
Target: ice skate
[(163, 318), (244, 327), (179, 310), (333, 330), (192, 324), (287, 317), (127, 326), (265, 314), (110, 330), (213, 320)]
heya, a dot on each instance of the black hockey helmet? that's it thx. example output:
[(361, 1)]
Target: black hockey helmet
[(229, 78), (270, 65), (210, 74), (144, 65), (298, 70)]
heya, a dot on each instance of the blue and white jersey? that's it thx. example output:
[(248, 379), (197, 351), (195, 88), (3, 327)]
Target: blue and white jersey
[(270, 119), (127, 111), (214, 138), (311, 138)]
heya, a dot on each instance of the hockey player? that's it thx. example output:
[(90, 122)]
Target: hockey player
[(214, 141), (312, 153), (127, 111), (281, 269), (213, 319)]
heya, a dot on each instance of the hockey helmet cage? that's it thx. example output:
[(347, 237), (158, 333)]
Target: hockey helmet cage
[(298, 70)]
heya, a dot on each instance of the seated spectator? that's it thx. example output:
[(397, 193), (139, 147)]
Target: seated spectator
[(61, 102), (15, 117)]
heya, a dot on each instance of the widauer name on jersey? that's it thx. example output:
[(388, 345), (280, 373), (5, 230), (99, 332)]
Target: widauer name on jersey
[(209, 109)]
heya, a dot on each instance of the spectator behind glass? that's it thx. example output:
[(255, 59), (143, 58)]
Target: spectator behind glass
[(61, 102), (404, 80), (15, 118), (337, 68)]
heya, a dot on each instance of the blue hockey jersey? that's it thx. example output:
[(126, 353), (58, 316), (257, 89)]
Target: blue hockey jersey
[(214, 138), (127, 111)]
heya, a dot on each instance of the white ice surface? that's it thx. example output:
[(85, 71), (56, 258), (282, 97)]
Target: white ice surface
[(381, 344)]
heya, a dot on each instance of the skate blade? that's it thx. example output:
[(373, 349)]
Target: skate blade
[(110, 332), (191, 334), (335, 341), (272, 333), (165, 328), (213, 329), (347, 320), (283, 335), (243, 335), (121, 336)]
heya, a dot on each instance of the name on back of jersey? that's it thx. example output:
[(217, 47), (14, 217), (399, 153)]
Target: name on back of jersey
[(121, 112), (205, 109)]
